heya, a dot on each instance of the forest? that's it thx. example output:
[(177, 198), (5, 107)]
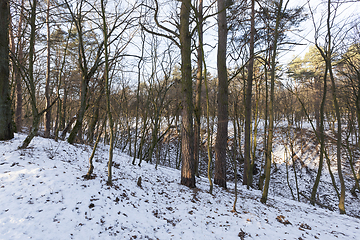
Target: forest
[(216, 89)]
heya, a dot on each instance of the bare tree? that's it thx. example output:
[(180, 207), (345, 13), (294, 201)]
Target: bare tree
[(87, 71), (326, 52)]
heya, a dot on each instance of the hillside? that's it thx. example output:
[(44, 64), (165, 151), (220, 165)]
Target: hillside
[(44, 196)]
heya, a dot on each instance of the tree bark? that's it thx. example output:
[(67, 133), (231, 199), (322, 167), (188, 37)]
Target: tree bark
[(17, 73), (30, 80), (187, 131), (247, 177), (47, 118), (339, 140), (107, 89), (6, 129), (322, 139), (222, 99), (271, 105), (199, 77)]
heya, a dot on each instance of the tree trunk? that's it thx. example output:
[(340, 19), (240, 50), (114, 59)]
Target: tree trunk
[(17, 73), (107, 88), (95, 117), (91, 165), (234, 161), (30, 80), (47, 118), (81, 112), (138, 96), (222, 99), (247, 177), (271, 105), (339, 140), (187, 131), (262, 177), (6, 129), (317, 104), (327, 55), (198, 89), (322, 139)]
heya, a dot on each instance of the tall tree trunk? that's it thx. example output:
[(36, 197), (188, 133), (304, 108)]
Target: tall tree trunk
[(107, 88), (247, 177), (327, 55), (339, 139), (322, 139), (199, 77), (30, 80), (271, 104), (17, 73), (6, 129), (47, 118), (187, 131), (222, 99), (262, 177), (138, 96)]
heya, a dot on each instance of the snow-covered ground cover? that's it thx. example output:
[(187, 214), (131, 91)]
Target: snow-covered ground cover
[(44, 196)]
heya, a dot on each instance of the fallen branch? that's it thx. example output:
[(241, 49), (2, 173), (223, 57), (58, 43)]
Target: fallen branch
[(318, 203)]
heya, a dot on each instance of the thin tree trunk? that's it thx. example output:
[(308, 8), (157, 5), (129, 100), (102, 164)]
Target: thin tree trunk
[(91, 165), (247, 177), (322, 139), (107, 88), (262, 176), (30, 81), (339, 141), (234, 159), (199, 77), (18, 78), (64, 109), (138, 96), (47, 115), (327, 54), (271, 105)]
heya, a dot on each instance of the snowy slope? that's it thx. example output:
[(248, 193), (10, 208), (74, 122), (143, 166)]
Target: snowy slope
[(44, 196)]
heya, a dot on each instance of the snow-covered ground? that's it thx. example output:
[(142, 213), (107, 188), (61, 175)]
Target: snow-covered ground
[(44, 196)]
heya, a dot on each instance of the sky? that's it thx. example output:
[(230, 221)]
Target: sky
[(345, 13), (305, 37)]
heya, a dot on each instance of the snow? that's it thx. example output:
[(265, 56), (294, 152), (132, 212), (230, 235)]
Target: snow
[(44, 196)]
